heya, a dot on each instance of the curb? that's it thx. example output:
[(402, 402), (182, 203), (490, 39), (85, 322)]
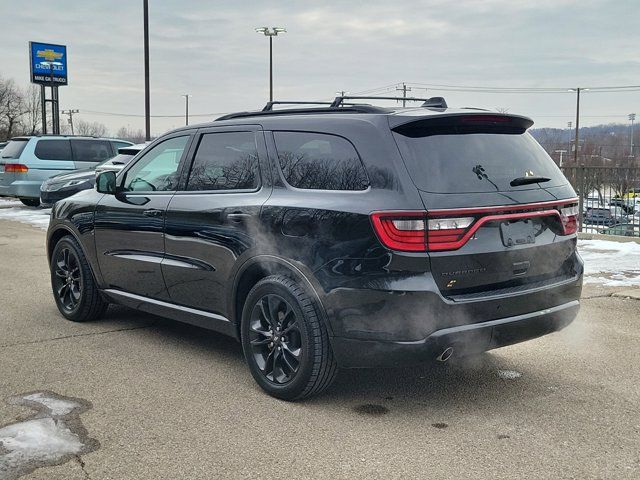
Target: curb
[(611, 238)]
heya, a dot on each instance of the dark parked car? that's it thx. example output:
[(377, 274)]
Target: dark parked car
[(66, 184), (606, 217), (334, 236)]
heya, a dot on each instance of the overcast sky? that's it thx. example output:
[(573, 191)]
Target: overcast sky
[(209, 49)]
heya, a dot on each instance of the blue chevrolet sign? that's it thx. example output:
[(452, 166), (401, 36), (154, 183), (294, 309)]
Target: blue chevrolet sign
[(45, 58)]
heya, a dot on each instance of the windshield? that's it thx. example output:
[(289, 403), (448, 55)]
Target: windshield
[(14, 148), (120, 159), (475, 159)]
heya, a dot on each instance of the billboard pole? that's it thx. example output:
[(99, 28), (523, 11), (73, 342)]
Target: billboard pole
[(147, 108), (43, 100)]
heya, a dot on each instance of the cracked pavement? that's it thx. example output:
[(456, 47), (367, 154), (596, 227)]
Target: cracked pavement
[(174, 401)]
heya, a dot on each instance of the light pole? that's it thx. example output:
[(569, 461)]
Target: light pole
[(632, 117), (55, 118), (271, 32), (186, 108), (147, 104), (575, 146)]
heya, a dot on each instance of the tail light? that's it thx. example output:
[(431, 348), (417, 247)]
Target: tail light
[(569, 219), (441, 230), (15, 168)]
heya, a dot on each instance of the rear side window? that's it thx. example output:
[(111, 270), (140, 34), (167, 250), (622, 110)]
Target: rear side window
[(225, 161), (320, 161), (91, 150), (53, 150), (14, 148), (452, 155)]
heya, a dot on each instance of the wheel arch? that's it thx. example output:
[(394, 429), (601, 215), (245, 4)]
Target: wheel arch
[(262, 266)]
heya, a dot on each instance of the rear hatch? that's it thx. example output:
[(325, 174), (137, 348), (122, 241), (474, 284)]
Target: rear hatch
[(11, 155), (500, 215)]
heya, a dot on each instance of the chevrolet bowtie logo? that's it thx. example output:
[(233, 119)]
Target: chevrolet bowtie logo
[(49, 55)]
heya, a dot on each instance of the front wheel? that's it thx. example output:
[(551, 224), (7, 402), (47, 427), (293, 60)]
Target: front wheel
[(285, 342), (74, 289)]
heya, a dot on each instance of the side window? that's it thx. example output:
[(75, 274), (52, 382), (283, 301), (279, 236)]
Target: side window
[(225, 161), (91, 150), (320, 161), (157, 170), (53, 150)]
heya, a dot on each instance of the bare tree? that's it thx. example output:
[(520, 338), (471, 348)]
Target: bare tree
[(128, 133), (90, 129), (32, 118), (11, 107)]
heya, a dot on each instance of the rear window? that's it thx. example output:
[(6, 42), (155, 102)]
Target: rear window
[(91, 150), (320, 161), (451, 156), (14, 148), (120, 159), (53, 150)]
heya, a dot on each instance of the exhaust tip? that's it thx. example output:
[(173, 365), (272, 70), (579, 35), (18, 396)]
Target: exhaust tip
[(445, 355)]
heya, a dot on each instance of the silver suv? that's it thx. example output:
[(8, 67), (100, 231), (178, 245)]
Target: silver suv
[(26, 162)]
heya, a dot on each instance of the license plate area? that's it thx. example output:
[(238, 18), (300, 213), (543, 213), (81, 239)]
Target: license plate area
[(519, 232)]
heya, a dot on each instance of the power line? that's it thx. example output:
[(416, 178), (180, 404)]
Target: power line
[(114, 114)]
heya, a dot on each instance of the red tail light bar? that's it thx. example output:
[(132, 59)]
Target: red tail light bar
[(15, 168), (450, 229)]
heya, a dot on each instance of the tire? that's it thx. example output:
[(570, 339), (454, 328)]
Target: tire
[(30, 202), (72, 283), (279, 300)]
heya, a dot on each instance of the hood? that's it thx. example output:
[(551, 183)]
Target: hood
[(84, 174)]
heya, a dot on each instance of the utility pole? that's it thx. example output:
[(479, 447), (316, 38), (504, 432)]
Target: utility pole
[(147, 106), (560, 152), (404, 91), (186, 108), (577, 139), (70, 112), (632, 117)]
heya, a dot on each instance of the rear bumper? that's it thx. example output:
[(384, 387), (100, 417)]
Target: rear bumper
[(21, 189), (464, 339)]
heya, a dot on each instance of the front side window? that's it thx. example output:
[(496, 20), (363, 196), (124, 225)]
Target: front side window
[(157, 170), (225, 161), (319, 161), (53, 150), (91, 150)]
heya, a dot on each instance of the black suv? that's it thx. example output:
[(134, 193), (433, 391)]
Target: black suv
[(342, 235)]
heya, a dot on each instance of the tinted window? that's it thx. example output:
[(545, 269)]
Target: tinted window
[(319, 161), (117, 145), (53, 150), (157, 170), (225, 161), (91, 150), (474, 158), (14, 148)]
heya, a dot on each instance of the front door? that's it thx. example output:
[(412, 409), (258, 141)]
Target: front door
[(129, 226), (214, 218)]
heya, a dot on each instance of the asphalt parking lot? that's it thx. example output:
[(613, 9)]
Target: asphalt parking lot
[(163, 400)]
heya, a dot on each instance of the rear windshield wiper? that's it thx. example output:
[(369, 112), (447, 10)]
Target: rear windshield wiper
[(516, 182)]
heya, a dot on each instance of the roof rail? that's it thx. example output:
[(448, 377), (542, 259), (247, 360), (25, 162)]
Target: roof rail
[(340, 99), (269, 106), (301, 111)]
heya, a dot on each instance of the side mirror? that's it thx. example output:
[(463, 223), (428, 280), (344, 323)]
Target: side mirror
[(106, 182)]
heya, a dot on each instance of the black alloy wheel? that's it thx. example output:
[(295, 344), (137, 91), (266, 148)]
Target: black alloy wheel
[(285, 339), (275, 338), (74, 288), (68, 281)]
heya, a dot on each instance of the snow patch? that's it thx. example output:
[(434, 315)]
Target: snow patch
[(53, 435), (509, 374), (31, 215), (614, 264)]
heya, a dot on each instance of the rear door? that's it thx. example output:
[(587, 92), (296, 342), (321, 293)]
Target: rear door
[(500, 213), (214, 218)]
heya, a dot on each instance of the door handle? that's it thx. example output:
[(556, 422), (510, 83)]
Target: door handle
[(238, 217), (153, 212)]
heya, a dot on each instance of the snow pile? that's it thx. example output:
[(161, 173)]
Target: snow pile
[(614, 264), (34, 216)]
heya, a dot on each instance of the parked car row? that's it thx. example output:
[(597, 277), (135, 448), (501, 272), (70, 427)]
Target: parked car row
[(26, 162)]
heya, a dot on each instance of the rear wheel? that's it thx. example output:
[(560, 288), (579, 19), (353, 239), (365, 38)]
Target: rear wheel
[(74, 288), (285, 341), (31, 202)]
